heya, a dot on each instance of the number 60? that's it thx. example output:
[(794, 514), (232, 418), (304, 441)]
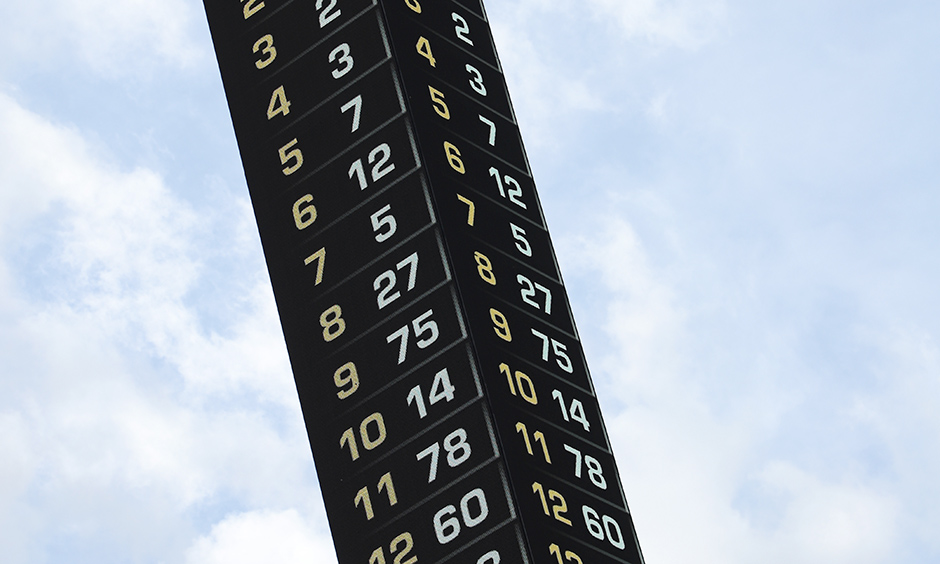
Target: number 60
[(447, 528)]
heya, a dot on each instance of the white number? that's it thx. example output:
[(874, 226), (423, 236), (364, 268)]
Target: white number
[(477, 81), (433, 451), (528, 292), (441, 389), (491, 557), (342, 56), (469, 520), (387, 222), (379, 168), (561, 356), (356, 105), (522, 244), (610, 527), (576, 410), (446, 530), (453, 443), (462, 29), (492, 127), (449, 529), (325, 16), (385, 282), (420, 327), (515, 191), (378, 171), (595, 471), (402, 334)]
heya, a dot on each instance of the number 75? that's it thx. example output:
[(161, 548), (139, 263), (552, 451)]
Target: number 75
[(560, 351)]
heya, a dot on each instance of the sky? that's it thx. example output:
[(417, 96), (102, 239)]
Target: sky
[(743, 197)]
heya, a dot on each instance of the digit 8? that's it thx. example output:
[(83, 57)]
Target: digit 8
[(454, 443), (596, 472), (485, 268), (333, 323)]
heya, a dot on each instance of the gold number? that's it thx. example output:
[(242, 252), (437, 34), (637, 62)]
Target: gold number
[(320, 257), (424, 49), (349, 438), (485, 268), (266, 46), (527, 390), (279, 103), (453, 157), (520, 428), (538, 436), (287, 153), (378, 555), (305, 213), (471, 209), (557, 508), (346, 378), (368, 441), (363, 495), (501, 325), (437, 101), (560, 508), (385, 483), (333, 323), (408, 541), (569, 556), (413, 4), (250, 8)]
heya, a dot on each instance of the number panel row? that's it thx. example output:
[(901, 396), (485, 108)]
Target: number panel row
[(510, 378), (452, 162), (514, 282), (463, 28), (294, 26), (442, 524), (403, 340), (281, 110), (397, 278)]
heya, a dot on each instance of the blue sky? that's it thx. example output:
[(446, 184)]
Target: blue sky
[(743, 198)]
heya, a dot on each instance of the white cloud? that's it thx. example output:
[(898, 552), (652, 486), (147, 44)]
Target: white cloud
[(685, 24), (826, 522), (122, 410), (681, 23), (114, 38), (262, 537)]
